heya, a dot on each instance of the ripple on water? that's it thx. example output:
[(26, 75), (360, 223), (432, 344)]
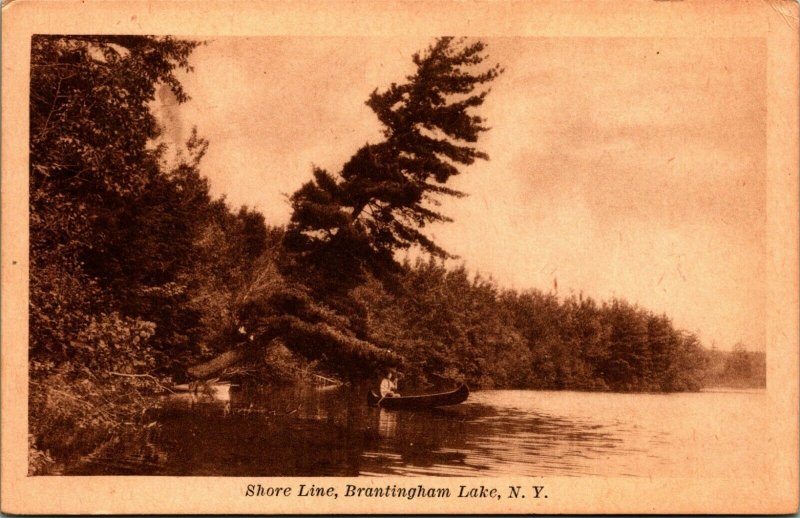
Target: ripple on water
[(303, 432)]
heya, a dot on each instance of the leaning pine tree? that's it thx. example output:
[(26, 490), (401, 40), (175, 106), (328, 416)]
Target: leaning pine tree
[(348, 225)]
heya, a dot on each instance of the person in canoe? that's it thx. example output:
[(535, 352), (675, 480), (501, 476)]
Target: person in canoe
[(388, 386)]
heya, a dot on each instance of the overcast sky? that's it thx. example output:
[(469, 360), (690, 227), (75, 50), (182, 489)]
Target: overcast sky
[(622, 167)]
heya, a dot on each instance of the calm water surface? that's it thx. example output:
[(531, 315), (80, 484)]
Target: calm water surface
[(304, 431)]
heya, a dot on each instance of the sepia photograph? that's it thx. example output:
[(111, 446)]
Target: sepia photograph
[(398, 267)]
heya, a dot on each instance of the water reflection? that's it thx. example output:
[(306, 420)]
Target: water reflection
[(387, 423), (303, 431)]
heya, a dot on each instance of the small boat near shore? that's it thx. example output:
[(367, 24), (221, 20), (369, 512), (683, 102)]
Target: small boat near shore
[(453, 397)]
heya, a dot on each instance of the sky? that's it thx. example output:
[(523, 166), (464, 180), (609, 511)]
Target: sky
[(631, 168)]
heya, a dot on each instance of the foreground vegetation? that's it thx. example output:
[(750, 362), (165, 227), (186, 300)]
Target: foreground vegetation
[(140, 279)]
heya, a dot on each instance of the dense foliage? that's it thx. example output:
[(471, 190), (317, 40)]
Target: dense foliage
[(450, 325), (140, 279), (133, 266)]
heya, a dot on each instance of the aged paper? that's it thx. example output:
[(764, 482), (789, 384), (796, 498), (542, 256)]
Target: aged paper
[(641, 154)]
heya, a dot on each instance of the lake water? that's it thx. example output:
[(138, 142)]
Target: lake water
[(306, 431)]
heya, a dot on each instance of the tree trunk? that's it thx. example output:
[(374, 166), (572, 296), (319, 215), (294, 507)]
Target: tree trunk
[(232, 357), (215, 365)]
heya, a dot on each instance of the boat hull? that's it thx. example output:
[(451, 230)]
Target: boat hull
[(454, 397)]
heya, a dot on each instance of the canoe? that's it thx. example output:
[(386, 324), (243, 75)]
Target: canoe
[(454, 397)]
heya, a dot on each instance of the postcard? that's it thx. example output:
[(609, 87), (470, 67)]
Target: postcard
[(330, 257)]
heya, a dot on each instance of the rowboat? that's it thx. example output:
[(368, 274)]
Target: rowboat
[(454, 397)]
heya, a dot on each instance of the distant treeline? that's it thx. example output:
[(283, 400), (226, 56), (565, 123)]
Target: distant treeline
[(139, 278), (738, 368)]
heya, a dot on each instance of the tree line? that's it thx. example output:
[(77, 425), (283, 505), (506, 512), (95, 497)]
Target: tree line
[(139, 278), (737, 368), (463, 326)]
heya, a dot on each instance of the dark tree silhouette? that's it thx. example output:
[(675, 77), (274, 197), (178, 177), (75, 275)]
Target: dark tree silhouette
[(347, 224), (90, 161)]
